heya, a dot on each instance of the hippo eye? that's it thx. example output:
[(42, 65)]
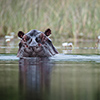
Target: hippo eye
[(38, 40), (27, 38), (30, 41)]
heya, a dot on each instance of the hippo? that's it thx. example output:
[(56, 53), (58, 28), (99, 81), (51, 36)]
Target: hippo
[(36, 44)]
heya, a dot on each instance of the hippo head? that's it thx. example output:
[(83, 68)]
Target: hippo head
[(36, 44)]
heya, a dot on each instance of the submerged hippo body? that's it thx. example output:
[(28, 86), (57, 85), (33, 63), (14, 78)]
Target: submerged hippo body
[(36, 44)]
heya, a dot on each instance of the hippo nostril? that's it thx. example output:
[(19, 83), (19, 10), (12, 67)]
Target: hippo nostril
[(30, 47), (39, 44)]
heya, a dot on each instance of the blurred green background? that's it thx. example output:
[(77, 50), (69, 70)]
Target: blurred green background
[(68, 19)]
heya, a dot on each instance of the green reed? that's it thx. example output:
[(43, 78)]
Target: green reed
[(66, 18)]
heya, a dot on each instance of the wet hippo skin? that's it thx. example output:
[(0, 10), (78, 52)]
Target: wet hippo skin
[(36, 44)]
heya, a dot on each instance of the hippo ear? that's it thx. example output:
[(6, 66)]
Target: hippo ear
[(20, 34), (47, 32)]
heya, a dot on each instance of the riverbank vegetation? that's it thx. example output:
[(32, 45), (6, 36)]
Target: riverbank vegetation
[(66, 18)]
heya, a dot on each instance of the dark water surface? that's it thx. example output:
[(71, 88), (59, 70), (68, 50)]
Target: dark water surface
[(71, 75), (62, 77)]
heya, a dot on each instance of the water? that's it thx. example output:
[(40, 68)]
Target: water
[(70, 75)]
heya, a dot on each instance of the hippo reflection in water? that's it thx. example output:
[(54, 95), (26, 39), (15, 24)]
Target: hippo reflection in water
[(36, 44)]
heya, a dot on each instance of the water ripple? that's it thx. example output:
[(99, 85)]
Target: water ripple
[(60, 57), (8, 57), (76, 58)]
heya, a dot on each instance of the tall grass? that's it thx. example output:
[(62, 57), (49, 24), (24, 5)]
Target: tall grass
[(66, 18)]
